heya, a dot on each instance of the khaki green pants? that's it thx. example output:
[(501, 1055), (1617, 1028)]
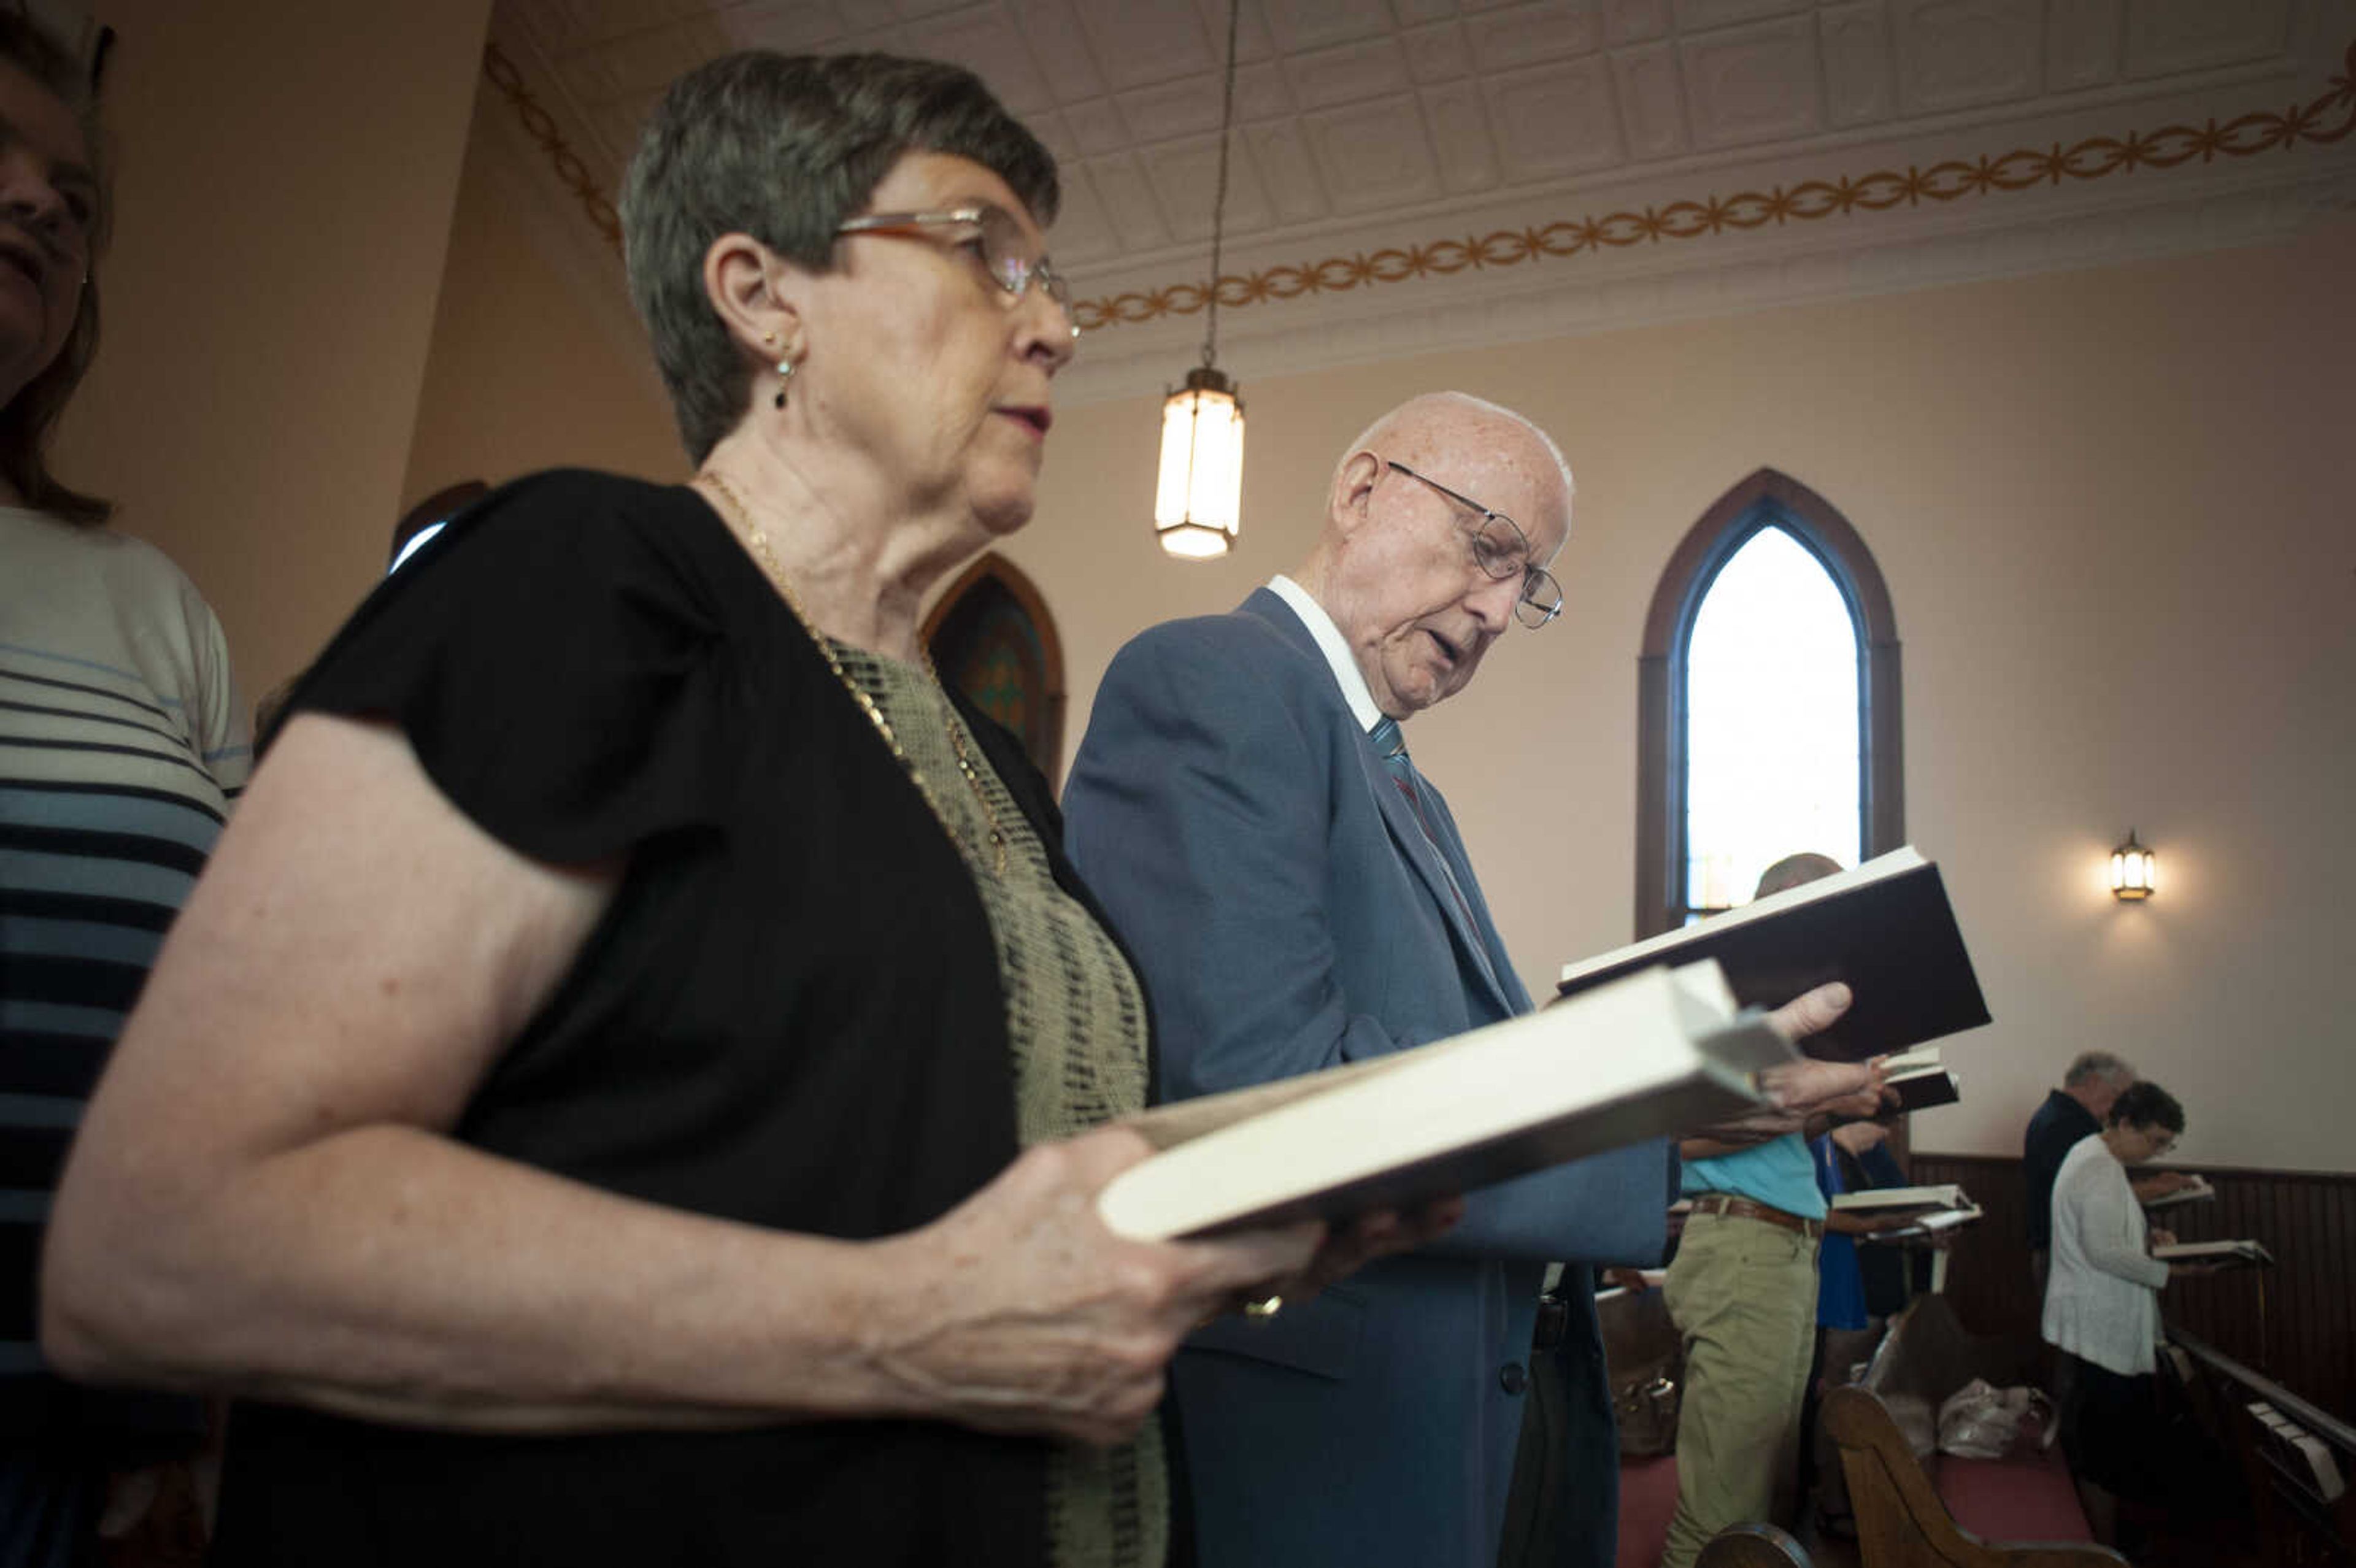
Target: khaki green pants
[(1743, 1295)]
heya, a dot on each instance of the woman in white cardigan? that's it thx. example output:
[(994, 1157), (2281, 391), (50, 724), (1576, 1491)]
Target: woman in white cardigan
[(2102, 1305)]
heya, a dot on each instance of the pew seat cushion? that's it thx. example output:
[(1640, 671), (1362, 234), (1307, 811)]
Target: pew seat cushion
[(2023, 1498)]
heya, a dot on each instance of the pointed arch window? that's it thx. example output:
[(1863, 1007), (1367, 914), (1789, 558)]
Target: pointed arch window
[(992, 638), (1768, 703)]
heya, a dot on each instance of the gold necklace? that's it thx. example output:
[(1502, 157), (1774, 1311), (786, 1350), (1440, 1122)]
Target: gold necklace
[(758, 543)]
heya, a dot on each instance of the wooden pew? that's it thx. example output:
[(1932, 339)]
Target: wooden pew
[(1935, 1497), (2297, 1521), (1901, 1520)]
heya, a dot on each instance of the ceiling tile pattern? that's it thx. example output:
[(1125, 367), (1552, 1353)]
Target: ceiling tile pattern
[(1367, 126), (1354, 107)]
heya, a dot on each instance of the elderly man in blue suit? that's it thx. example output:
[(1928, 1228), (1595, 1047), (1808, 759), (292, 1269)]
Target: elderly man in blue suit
[(1245, 806)]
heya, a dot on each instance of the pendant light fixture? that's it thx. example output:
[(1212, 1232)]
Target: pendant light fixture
[(1198, 500)]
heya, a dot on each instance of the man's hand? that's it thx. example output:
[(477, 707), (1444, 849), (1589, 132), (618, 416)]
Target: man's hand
[(1377, 1234), (1808, 1087), (1811, 1012)]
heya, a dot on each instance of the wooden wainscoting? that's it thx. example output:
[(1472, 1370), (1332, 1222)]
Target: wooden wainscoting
[(2295, 1323)]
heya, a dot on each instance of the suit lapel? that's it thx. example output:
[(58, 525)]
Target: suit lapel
[(1473, 956), (1423, 852)]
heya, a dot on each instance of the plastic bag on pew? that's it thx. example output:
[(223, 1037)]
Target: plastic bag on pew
[(1980, 1421)]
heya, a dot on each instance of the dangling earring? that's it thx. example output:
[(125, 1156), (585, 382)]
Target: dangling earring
[(785, 375)]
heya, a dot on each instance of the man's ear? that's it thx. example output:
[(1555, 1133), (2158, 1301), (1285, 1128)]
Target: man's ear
[(754, 292), (1354, 490)]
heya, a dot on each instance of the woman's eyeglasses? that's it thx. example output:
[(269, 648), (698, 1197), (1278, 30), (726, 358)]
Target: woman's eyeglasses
[(1005, 250)]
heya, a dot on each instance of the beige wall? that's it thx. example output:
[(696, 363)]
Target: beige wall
[(533, 365), (2113, 511), (287, 171)]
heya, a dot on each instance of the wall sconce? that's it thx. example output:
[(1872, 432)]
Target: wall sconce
[(2135, 871)]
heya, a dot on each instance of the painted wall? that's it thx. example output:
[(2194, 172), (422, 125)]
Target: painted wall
[(2113, 509), (533, 366), (286, 175)]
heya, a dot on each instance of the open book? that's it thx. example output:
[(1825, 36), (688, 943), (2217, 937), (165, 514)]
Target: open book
[(2199, 1191), (1884, 927), (1654, 1055), (1925, 1087), (1916, 1081), (1928, 1225), (2244, 1253), (1875, 1200), (1930, 1209)]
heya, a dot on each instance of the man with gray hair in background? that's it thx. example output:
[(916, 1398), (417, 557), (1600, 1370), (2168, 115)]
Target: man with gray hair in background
[(2070, 1113)]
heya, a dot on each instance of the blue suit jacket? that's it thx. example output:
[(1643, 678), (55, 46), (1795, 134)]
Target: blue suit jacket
[(1290, 915)]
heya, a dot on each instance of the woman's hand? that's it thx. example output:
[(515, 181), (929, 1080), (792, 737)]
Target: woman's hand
[(1019, 1311)]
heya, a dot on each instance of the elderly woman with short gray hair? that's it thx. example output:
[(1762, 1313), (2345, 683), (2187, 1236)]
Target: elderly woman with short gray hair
[(621, 1092)]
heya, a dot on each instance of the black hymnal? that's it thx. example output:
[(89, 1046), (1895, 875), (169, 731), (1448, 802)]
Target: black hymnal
[(1885, 927)]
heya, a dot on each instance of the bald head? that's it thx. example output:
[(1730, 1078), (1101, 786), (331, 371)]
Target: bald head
[(1421, 429), (1395, 566)]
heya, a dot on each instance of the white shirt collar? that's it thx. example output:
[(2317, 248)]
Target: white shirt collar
[(1328, 637)]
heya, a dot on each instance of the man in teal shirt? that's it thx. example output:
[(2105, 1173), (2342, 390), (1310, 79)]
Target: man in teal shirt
[(1742, 1292)]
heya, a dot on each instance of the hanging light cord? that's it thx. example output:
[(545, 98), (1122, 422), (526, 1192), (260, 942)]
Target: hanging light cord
[(1219, 200)]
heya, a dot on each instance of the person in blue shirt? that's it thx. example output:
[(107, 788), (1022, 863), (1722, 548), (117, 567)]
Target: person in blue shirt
[(1742, 1292), (1850, 1312)]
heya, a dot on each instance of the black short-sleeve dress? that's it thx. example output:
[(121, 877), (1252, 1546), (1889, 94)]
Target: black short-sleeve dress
[(789, 1016)]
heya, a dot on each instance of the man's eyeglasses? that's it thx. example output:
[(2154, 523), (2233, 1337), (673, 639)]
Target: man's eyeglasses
[(1502, 550), (1004, 248)]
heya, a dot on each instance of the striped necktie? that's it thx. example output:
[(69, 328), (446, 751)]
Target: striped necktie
[(1392, 745)]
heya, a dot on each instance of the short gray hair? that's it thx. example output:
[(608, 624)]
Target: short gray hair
[(2097, 1064), (785, 148)]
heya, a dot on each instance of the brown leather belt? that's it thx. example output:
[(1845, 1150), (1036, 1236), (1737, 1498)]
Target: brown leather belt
[(1735, 1208)]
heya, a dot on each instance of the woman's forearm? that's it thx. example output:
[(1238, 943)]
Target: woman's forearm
[(390, 1272)]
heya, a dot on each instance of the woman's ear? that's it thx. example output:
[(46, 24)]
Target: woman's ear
[(752, 290)]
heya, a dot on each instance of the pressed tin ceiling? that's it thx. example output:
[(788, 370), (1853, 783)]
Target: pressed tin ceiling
[(1414, 175)]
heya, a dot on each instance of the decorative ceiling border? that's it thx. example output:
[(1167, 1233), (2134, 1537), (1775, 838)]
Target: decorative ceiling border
[(2025, 168), (501, 72), (2021, 169)]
